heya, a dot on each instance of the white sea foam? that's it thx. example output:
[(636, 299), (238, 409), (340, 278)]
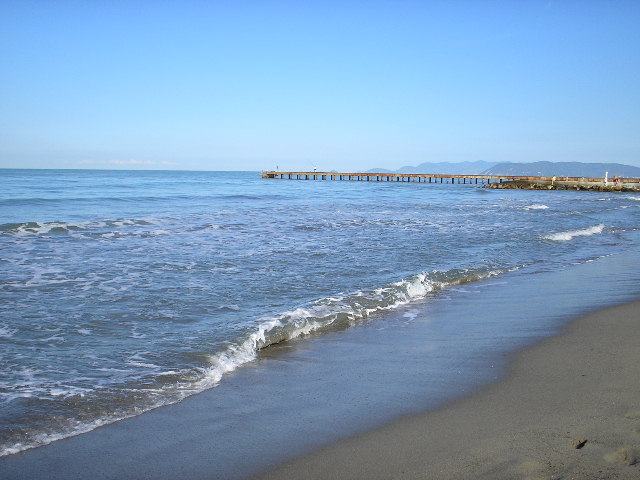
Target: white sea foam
[(42, 228), (45, 438), (566, 236), (138, 359), (411, 315), (6, 332), (535, 206), (143, 365), (28, 385), (43, 277), (53, 338)]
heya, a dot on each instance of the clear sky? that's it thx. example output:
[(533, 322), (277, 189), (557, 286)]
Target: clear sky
[(345, 85)]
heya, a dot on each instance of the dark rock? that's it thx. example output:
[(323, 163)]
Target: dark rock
[(579, 443)]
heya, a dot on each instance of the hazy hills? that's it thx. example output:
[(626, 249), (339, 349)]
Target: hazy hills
[(542, 169), (562, 169), (461, 168)]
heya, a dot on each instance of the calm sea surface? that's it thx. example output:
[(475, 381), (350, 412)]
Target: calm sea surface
[(122, 291)]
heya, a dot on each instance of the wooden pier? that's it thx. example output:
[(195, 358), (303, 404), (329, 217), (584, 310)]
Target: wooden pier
[(421, 177), (615, 183)]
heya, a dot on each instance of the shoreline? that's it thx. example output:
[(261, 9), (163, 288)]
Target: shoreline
[(332, 389), (575, 389)]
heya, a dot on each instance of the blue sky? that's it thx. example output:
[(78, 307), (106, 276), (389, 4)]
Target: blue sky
[(345, 85)]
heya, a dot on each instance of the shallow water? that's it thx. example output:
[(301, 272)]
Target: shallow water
[(300, 395), (124, 291)]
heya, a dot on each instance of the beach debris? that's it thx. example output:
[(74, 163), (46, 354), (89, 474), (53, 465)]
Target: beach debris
[(578, 443)]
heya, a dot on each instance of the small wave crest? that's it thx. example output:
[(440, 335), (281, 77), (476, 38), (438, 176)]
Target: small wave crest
[(333, 313), (535, 206), (63, 228), (566, 236)]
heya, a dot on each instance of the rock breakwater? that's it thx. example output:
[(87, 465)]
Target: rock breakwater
[(565, 185)]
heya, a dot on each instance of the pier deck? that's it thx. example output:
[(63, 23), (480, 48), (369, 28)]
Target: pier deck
[(443, 178)]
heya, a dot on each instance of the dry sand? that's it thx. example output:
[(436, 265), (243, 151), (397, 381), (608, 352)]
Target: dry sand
[(579, 389)]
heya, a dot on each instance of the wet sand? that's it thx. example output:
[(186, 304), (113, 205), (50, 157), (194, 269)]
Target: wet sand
[(569, 408)]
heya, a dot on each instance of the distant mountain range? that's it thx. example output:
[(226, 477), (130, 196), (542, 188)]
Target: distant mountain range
[(534, 169), (564, 169), (461, 168)]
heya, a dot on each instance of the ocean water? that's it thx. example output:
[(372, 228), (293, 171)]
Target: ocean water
[(125, 291)]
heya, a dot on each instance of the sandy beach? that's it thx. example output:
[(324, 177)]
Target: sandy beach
[(569, 408)]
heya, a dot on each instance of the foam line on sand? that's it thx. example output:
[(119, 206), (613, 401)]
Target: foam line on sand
[(568, 408)]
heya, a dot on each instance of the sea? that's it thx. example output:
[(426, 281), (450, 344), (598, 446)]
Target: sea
[(123, 292)]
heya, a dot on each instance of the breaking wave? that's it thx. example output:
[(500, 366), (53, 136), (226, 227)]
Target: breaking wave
[(325, 314), (52, 228), (536, 206), (335, 313), (566, 236)]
